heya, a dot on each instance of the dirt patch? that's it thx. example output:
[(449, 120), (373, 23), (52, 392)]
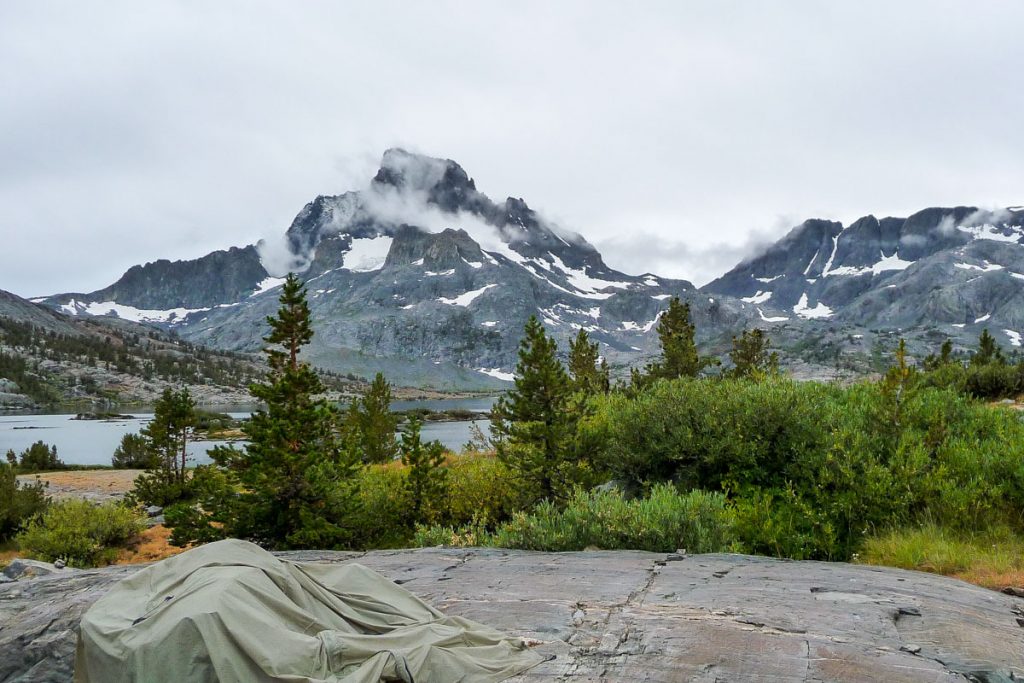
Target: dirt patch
[(95, 485)]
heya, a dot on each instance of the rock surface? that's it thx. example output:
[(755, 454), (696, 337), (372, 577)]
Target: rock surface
[(634, 616)]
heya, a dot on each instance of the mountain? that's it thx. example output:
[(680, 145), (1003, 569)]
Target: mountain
[(49, 358), (419, 275), (940, 272), (422, 276)]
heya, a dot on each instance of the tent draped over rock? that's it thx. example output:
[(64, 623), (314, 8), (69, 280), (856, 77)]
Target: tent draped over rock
[(230, 611)]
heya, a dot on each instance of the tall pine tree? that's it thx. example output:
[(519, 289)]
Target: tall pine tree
[(679, 356), (370, 424), (752, 356), (587, 370), (427, 480), (295, 480), (534, 424), (988, 350)]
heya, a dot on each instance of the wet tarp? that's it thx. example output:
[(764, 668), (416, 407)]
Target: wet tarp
[(230, 611)]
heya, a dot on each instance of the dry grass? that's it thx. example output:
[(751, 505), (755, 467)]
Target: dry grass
[(6, 556), (993, 559), (152, 545)]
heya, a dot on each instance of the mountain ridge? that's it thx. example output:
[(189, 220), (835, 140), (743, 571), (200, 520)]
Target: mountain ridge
[(421, 275)]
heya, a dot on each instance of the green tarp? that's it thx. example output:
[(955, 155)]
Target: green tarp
[(230, 611)]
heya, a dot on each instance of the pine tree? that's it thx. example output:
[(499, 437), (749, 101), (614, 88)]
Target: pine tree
[(897, 386), (752, 356), (988, 350), (295, 480), (168, 434), (679, 356), (533, 423), (134, 453), (945, 357), (587, 370), (427, 480), (371, 423)]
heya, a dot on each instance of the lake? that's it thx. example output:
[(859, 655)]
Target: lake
[(92, 442)]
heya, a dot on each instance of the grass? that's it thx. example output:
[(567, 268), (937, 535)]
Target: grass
[(151, 545), (992, 559)]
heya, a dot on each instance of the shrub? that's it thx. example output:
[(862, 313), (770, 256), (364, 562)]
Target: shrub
[(134, 453), (81, 533), (811, 468), (480, 487), (18, 501), (36, 458), (383, 507), (471, 535), (664, 521)]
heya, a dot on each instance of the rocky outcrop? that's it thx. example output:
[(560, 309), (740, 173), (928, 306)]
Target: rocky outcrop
[(633, 616)]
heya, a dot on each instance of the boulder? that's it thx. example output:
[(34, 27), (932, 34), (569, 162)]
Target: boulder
[(635, 616), (21, 568)]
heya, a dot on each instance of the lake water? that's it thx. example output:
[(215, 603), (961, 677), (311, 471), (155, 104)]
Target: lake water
[(92, 442)]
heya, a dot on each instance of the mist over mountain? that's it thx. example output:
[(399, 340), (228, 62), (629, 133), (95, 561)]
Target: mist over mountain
[(421, 275)]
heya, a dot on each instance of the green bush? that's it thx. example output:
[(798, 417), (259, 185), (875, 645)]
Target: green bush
[(663, 522), (812, 468), (383, 507), (80, 533), (36, 458), (18, 501), (480, 487), (134, 453)]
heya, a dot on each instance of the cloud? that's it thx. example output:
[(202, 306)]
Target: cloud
[(641, 252), (133, 133), (993, 216), (278, 259)]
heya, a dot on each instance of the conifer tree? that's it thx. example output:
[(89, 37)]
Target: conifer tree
[(752, 356), (295, 480), (166, 438), (371, 423), (679, 356), (988, 350), (587, 370), (533, 423), (134, 452), (945, 357), (168, 434), (427, 480)]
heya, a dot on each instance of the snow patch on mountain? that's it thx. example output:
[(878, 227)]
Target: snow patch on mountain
[(987, 268), (139, 315), (884, 263), (498, 373), (988, 231), (758, 298), (771, 319), (803, 310), (467, 298), (267, 284), (367, 254)]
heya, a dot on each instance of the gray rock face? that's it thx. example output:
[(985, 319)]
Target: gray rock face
[(419, 275), (632, 616)]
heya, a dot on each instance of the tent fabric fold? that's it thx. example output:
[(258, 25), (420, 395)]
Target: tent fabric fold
[(231, 611)]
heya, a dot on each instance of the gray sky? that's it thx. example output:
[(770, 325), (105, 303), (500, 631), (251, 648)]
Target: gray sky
[(675, 136)]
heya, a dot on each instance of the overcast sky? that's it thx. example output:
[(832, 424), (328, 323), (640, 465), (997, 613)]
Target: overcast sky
[(677, 136)]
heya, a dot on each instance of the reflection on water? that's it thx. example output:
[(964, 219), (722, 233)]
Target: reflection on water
[(92, 442)]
